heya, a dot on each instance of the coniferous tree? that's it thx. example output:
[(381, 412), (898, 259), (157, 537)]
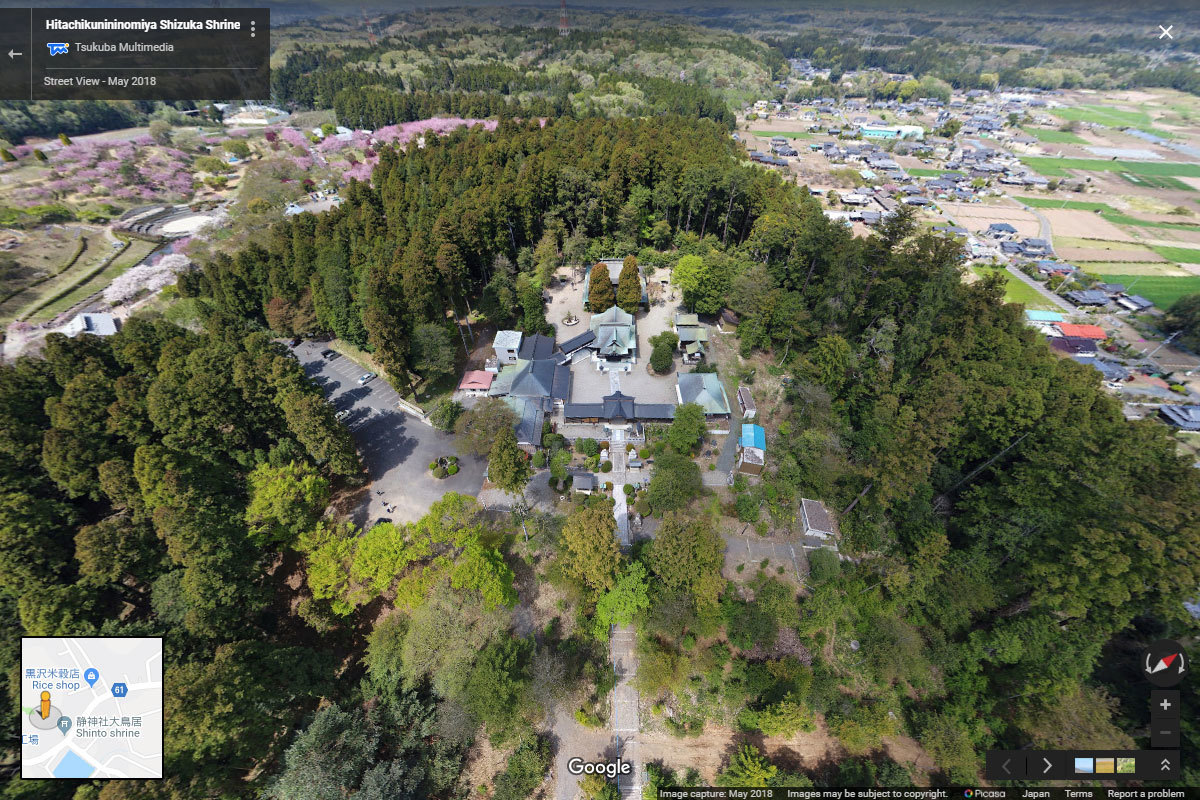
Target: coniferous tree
[(601, 296), (629, 286)]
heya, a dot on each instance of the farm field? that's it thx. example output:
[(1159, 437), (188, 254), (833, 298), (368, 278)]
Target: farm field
[(923, 172), (1079, 241), (1162, 291), (1057, 167), (1110, 117), (977, 217), (1105, 211), (1161, 269), (788, 134), (1157, 182), (45, 252), (1050, 136), (1017, 291), (1187, 255), (136, 251), (1070, 223), (1142, 256)]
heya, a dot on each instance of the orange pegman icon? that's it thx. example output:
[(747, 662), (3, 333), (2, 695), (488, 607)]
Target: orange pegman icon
[(45, 704)]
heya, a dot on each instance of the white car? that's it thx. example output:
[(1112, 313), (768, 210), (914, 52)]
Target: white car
[(341, 415), (365, 379)]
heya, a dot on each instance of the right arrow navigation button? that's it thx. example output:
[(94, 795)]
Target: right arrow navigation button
[(1049, 765)]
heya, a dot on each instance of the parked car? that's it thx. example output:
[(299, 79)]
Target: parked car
[(329, 355), (365, 379), (296, 341), (341, 415)]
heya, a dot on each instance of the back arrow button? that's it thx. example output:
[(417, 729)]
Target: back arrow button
[(13, 55)]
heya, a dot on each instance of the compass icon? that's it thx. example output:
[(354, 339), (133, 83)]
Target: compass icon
[(1164, 663)]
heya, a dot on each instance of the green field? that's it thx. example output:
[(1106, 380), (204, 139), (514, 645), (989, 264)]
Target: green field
[(1157, 182), (1106, 211), (1054, 137), (1186, 255), (922, 172), (788, 134), (1111, 117), (136, 251), (1017, 291), (1161, 291), (1057, 167)]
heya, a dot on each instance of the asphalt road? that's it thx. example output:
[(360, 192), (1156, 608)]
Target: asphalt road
[(396, 448)]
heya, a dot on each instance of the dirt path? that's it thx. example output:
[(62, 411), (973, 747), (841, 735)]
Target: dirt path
[(710, 752)]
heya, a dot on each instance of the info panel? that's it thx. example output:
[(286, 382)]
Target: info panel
[(135, 54)]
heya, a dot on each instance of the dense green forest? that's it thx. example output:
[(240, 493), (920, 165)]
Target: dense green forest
[(1013, 537), (1013, 529)]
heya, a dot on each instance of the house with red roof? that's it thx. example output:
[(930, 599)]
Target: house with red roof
[(476, 383), (1082, 331)]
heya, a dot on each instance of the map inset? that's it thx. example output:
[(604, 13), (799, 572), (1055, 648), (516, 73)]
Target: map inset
[(91, 707)]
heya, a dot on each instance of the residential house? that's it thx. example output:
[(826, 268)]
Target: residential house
[(1186, 418), (1134, 302), (507, 346), (476, 383), (93, 322), (1074, 346), (704, 389), (1088, 297), (1048, 317), (817, 521), (752, 449), (1110, 371), (1084, 331)]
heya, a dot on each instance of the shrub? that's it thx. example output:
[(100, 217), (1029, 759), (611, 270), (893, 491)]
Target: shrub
[(712, 467), (440, 472), (606, 466), (602, 445), (433, 465), (645, 452), (630, 490), (539, 459), (587, 447), (592, 463), (452, 469), (747, 508)]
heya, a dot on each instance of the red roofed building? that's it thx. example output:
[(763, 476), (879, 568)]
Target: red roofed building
[(1082, 331), (476, 382)]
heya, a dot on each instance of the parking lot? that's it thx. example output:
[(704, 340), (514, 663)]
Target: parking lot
[(396, 448)]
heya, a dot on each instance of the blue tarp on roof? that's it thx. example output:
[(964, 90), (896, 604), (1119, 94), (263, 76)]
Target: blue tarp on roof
[(753, 436), (1034, 315)]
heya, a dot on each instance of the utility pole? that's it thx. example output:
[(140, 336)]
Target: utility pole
[(1166, 342)]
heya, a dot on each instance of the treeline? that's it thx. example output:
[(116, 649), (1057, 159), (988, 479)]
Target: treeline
[(142, 476), (312, 77), (48, 118), (443, 228), (374, 108), (374, 97), (943, 58)]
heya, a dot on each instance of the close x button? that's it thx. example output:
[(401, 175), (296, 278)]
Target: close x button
[(1005, 765)]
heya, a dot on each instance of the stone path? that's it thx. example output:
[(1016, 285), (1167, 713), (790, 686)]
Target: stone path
[(626, 724)]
